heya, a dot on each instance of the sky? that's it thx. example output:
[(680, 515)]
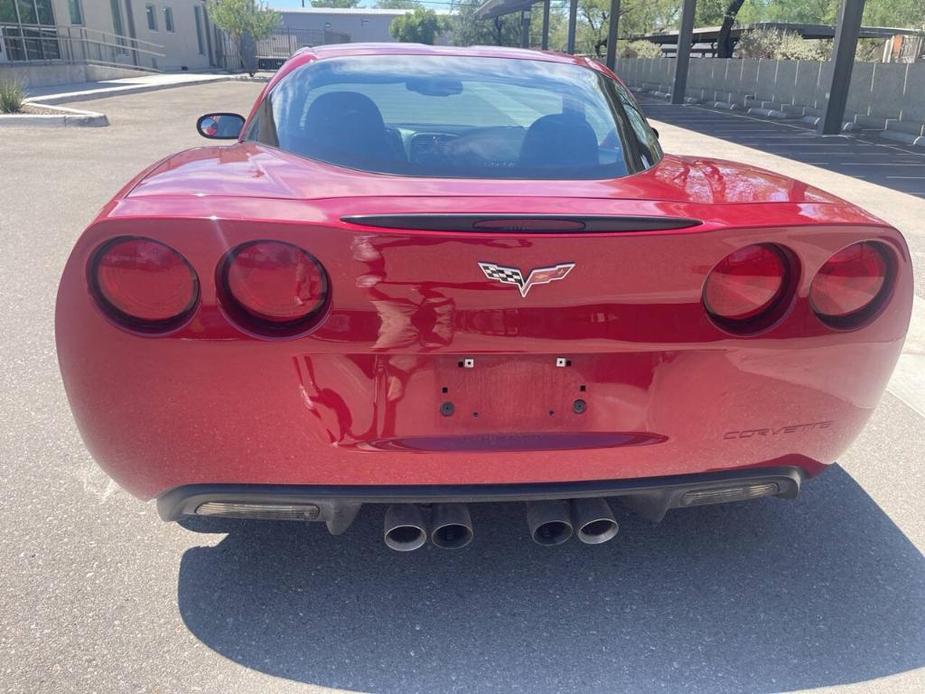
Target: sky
[(289, 4)]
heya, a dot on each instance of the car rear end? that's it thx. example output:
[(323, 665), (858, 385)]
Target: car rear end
[(416, 370), (296, 340)]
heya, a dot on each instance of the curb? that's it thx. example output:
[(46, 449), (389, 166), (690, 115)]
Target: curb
[(904, 138), (120, 90), (771, 113), (65, 118)]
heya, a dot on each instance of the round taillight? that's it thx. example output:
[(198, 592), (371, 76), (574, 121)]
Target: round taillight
[(747, 284), (144, 283), (276, 283), (851, 283)]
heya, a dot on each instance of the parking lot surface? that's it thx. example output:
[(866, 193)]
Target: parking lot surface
[(864, 156), (98, 594)]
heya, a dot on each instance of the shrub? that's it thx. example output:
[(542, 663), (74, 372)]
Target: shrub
[(869, 51), (11, 96), (640, 49), (777, 45), (758, 43), (795, 47)]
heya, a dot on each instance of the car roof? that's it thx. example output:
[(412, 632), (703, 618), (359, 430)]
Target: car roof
[(337, 50), (340, 50)]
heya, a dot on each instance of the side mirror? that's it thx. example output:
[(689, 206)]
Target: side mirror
[(655, 131), (220, 126)]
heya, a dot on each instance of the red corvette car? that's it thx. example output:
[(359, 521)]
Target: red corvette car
[(424, 277)]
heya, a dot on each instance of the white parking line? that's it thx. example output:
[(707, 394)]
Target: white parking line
[(908, 381), (876, 163)]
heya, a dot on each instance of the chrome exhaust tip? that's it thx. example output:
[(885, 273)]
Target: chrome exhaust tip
[(549, 522), (451, 526), (404, 528), (594, 521)]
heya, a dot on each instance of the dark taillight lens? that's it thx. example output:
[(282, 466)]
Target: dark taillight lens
[(276, 283), (144, 283), (851, 284), (747, 284)]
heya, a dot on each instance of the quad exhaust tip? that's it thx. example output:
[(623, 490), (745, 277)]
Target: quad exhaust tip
[(404, 528), (451, 526), (549, 522), (554, 522), (594, 521)]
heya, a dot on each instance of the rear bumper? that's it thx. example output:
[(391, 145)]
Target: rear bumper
[(338, 505), (380, 393)]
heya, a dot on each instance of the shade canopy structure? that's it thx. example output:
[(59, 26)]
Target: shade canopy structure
[(845, 33), (705, 38), (499, 8)]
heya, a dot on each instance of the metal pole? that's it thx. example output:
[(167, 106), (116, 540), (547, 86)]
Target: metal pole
[(572, 21), (612, 34), (685, 37), (544, 42), (525, 29), (846, 43)]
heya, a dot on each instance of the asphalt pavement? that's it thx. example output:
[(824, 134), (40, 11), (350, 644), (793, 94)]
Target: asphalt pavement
[(97, 594), (860, 155)]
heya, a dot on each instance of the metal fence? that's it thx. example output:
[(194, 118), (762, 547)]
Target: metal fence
[(271, 52), (43, 43), (285, 42)]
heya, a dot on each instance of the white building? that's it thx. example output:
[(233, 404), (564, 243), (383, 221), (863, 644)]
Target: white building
[(53, 41), (359, 24), (45, 42)]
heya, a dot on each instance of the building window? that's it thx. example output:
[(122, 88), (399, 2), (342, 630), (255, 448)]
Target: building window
[(151, 15), (197, 13), (117, 26), (76, 11), (168, 19), (24, 40), (44, 12), (8, 11)]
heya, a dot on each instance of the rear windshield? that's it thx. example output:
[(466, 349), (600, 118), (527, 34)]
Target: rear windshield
[(452, 117)]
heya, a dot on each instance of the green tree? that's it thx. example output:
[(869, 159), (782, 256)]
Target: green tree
[(641, 17), (594, 23), (894, 13), (710, 12), (240, 18), (342, 4), (558, 21), (724, 43), (808, 11), (637, 18), (398, 4), (471, 31), (419, 26)]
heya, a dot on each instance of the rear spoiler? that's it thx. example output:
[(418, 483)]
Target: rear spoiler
[(511, 223)]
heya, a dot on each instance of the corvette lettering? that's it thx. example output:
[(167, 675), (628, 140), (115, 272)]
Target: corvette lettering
[(513, 275), (776, 431)]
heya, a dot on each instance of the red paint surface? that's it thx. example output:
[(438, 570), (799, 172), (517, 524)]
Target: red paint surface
[(356, 400)]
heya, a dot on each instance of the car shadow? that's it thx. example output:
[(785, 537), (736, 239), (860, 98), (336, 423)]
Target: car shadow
[(768, 595)]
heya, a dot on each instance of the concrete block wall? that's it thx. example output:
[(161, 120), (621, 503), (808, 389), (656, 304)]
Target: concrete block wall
[(882, 95)]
